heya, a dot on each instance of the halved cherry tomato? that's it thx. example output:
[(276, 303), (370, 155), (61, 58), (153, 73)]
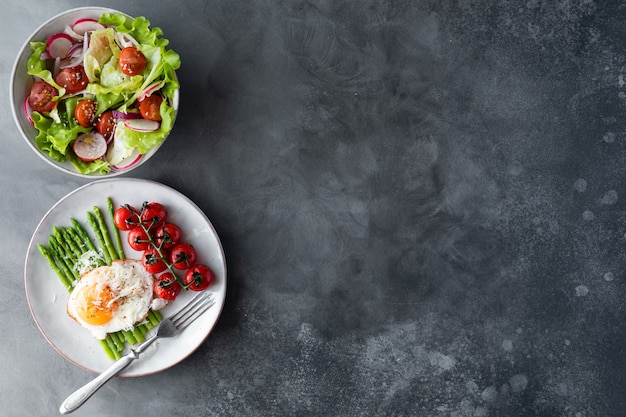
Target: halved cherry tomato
[(73, 79), (153, 214), (106, 124), (166, 287), (168, 235), (152, 261), (131, 61), (150, 107), (183, 256), (125, 218), (199, 277), (138, 239), (41, 97), (85, 112)]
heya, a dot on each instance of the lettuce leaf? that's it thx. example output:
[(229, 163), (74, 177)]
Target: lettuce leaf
[(37, 67), (54, 137)]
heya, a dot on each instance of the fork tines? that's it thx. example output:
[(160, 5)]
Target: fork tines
[(194, 308)]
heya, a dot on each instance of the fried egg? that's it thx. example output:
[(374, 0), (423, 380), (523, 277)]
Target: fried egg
[(111, 298)]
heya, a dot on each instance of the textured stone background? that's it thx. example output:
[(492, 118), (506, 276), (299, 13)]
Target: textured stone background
[(421, 205)]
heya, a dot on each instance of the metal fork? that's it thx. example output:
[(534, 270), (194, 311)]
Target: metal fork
[(167, 328)]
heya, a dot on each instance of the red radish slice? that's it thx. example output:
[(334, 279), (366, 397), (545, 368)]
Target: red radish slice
[(28, 111), (81, 26), (90, 146), (128, 162), (155, 86), (141, 125), (58, 45)]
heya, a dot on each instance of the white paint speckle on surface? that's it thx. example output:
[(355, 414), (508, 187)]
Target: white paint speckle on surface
[(609, 276), (507, 345), (489, 394), (609, 137), (609, 198), (588, 215), (580, 185), (518, 382), (582, 290)]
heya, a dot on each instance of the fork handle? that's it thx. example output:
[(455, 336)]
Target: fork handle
[(82, 394)]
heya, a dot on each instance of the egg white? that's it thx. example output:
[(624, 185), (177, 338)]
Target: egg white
[(132, 287)]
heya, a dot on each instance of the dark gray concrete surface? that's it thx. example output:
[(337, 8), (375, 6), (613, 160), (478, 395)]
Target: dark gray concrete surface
[(421, 205)]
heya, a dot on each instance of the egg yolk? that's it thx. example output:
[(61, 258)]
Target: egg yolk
[(95, 304)]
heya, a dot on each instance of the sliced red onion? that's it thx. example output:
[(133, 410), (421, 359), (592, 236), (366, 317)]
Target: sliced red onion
[(125, 40), (125, 116), (155, 86), (28, 111), (75, 56), (57, 66), (68, 30), (75, 50)]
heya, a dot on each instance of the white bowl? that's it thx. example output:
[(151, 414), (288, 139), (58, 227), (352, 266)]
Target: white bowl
[(21, 82)]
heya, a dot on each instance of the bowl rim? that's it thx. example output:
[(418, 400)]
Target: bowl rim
[(16, 110)]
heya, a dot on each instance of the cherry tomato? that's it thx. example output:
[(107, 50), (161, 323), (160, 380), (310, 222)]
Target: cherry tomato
[(132, 61), (72, 79), (138, 239), (41, 97), (125, 218), (152, 261), (183, 256), (150, 107), (168, 235), (166, 287), (106, 124), (85, 112), (153, 213), (198, 277)]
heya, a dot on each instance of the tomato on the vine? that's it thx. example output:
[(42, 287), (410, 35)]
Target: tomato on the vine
[(125, 218), (183, 256), (152, 261), (166, 286), (168, 235), (198, 277), (153, 214), (73, 79), (138, 239), (41, 97)]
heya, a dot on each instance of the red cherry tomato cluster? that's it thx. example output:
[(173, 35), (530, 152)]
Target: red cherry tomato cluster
[(164, 252)]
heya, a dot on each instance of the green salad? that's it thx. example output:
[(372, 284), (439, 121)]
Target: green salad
[(103, 92)]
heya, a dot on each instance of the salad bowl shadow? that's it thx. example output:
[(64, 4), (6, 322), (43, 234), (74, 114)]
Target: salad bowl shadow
[(21, 82)]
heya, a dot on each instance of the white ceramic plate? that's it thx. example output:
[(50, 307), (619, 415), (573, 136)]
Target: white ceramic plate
[(21, 82), (47, 297)]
